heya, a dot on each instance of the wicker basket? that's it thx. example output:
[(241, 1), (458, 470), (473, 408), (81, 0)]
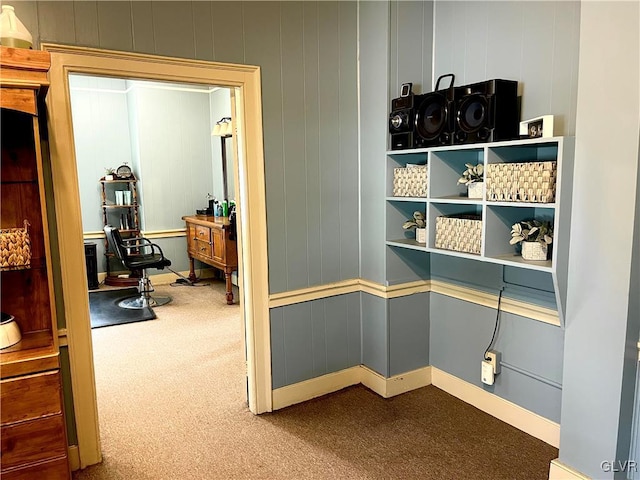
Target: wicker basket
[(410, 181), (462, 233), (15, 248), (535, 251), (533, 182)]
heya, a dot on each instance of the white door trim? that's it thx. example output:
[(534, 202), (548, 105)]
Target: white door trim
[(249, 175)]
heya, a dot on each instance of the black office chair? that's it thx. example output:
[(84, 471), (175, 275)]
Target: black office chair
[(138, 253)]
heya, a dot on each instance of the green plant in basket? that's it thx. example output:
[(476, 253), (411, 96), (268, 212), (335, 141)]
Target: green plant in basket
[(418, 221), (532, 231), (472, 174)]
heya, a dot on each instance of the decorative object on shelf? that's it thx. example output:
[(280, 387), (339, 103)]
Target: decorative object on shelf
[(535, 237), (420, 224), (13, 33), (461, 233), (15, 248), (533, 182), (9, 331), (539, 127), (410, 181), (109, 174), (472, 178), (223, 129), (124, 172)]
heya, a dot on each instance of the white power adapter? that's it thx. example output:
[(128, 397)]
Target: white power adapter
[(487, 373)]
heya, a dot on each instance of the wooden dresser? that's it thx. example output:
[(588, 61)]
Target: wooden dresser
[(33, 431), (210, 240)]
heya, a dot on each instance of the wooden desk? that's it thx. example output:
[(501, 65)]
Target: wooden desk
[(209, 239)]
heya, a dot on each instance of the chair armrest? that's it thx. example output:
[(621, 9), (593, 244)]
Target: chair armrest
[(142, 243)]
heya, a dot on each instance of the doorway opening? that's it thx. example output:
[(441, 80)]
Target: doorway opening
[(244, 82)]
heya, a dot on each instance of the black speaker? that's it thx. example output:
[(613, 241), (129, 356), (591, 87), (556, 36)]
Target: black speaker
[(486, 112), (91, 260), (434, 116), (401, 119)]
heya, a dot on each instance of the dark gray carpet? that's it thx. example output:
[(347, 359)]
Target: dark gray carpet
[(104, 309)]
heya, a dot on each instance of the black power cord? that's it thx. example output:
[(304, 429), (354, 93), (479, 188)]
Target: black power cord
[(495, 329)]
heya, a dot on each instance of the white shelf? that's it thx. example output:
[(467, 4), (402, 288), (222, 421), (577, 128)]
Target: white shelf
[(445, 165)]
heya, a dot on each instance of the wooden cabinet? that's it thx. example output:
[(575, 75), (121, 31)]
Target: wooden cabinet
[(120, 208), (32, 427), (212, 241)]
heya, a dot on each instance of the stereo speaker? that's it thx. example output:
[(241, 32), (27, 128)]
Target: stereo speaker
[(486, 112), (434, 116), (401, 119)]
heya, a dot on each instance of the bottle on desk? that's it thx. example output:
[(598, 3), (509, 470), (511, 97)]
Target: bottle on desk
[(225, 208)]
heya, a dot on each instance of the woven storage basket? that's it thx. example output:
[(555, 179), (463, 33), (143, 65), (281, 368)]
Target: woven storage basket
[(15, 248), (533, 182), (462, 233), (410, 181)]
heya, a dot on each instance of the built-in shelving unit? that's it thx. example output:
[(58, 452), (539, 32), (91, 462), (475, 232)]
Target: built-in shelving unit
[(446, 197)]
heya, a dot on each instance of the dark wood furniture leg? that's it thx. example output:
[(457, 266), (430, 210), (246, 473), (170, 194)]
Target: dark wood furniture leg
[(192, 270), (227, 277)]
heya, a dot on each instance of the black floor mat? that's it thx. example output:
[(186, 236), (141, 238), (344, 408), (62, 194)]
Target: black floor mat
[(104, 309)]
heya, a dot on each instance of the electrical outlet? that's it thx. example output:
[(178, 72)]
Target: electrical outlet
[(494, 358)]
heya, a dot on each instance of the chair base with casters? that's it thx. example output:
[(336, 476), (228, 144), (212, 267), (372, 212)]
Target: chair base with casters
[(138, 253)]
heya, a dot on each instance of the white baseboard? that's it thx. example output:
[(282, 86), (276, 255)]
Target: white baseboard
[(559, 471), (521, 418), (74, 457), (396, 385), (332, 382), (315, 387)]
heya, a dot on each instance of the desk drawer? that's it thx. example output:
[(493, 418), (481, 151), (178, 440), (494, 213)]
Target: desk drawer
[(203, 233), (57, 469), (33, 441), (203, 249), (26, 398)]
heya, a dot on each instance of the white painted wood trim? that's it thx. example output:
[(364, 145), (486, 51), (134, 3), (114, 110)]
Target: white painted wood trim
[(315, 387), (516, 307), (175, 232), (74, 457), (521, 418), (332, 382), (396, 385), (251, 210), (559, 471), (313, 293)]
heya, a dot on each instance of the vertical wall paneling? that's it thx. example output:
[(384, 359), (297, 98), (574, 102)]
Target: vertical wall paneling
[(374, 106), (408, 333), (175, 21), (295, 204), (311, 339), (142, 27), (278, 361), (330, 181), (595, 413), (56, 22), (86, 22), (114, 25), (310, 41), (228, 32), (298, 342), (460, 332), (409, 56), (202, 30), (220, 106), (535, 43), (348, 141), (375, 334), (262, 47)]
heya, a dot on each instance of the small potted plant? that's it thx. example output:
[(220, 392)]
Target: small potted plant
[(109, 173), (535, 237), (472, 178), (420, 224)]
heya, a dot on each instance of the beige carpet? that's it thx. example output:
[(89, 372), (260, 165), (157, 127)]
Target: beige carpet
[(172, 405)]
